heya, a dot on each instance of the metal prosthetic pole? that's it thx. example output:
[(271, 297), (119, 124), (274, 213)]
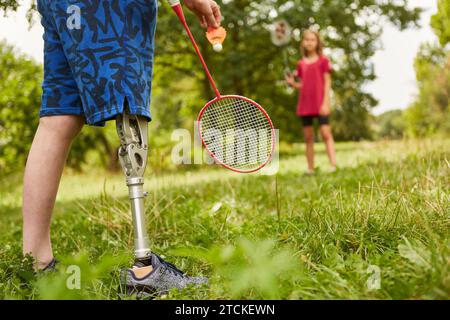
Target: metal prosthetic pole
[(133, 151)]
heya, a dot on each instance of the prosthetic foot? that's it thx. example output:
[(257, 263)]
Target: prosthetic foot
[(163, 277), (150, 274)]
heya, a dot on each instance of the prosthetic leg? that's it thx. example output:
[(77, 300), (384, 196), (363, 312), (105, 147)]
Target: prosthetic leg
[(140, 279), (133, 151)]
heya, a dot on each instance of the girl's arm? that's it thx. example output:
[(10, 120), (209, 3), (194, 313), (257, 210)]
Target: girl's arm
[(290, 79), (325, 110)]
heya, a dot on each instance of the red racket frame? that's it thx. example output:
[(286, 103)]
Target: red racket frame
[(264, 112)]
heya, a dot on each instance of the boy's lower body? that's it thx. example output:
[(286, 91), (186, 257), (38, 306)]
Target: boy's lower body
[(327, 137), (98, 60)]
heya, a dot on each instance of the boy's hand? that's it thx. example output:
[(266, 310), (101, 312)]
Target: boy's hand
[(207, 11)]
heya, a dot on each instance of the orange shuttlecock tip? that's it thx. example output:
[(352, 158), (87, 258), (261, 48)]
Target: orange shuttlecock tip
[(216, 36)]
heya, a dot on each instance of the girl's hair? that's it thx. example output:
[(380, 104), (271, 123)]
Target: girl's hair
[(319, 49)]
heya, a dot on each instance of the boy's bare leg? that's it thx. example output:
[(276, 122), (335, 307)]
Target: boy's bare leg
[(44, 167), (327, 137), (308, 133)]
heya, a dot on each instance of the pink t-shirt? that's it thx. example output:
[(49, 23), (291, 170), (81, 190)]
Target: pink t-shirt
[(313, 85)]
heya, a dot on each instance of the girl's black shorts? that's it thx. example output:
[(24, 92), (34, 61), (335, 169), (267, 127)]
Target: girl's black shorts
[(308, 120)]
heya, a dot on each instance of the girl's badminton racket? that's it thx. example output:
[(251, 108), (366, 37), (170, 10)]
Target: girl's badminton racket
[(236, 131), (281, 34)]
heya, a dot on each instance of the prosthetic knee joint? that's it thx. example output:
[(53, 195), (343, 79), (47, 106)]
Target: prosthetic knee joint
[(133, 151)]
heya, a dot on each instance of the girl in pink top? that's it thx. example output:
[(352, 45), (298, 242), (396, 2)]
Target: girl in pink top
[(314, 71)]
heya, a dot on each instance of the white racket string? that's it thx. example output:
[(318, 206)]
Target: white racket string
[(238, 133)]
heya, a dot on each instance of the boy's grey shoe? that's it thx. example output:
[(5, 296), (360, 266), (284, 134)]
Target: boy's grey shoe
[(164, 277)]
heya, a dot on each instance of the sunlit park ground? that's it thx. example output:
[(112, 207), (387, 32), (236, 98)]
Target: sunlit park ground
[(376, 229)]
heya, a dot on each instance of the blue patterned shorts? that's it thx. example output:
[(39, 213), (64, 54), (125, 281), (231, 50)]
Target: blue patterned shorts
[(98, 57)]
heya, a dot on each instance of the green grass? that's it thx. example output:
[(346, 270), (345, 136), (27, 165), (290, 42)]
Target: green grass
[(388, 208)]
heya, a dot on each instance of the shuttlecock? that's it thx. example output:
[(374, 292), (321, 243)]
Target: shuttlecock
[(217, 47), (216, 36)]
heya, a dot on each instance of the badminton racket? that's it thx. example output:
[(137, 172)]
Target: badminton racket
[(236, 131), (281, 34)]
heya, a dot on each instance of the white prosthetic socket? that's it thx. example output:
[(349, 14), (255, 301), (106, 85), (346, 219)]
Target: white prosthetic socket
[(133, 151)]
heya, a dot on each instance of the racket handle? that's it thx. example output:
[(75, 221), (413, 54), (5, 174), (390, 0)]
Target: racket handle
[(173, 2), (178, 9), (176, 6)]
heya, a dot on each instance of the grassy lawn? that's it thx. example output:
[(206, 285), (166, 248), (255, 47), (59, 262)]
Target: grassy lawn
[(376, 229)]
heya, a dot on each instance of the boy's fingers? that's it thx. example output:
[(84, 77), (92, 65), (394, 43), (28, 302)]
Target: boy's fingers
[(203, 22), (207, 12), (216, 12), (211, 19), (201, 18)]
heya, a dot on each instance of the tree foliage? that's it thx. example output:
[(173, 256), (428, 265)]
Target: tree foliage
[(7, 6), (390, 125), (430, 113), (19, 106), (441, 21)]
